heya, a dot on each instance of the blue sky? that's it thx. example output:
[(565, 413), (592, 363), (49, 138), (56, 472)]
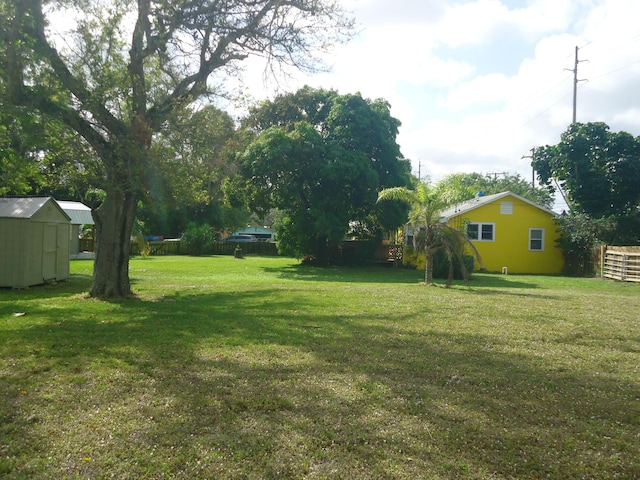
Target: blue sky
[(478, 83)]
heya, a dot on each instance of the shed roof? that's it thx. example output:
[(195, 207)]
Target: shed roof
[(24, 207), (464, 207), (79, 213)]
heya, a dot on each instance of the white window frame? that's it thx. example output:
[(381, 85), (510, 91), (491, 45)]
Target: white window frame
[(541, 239), (480, 225)]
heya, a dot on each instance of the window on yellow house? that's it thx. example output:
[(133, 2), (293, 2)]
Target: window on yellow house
[(536, 239), (483, 232)]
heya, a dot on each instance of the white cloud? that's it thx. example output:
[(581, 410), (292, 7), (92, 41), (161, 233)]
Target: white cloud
[(477, 84), (488, 89)]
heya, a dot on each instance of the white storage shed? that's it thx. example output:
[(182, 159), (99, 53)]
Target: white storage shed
[(34, 241), (80, 215)]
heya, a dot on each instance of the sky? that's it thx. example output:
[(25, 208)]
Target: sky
[(478, 83)]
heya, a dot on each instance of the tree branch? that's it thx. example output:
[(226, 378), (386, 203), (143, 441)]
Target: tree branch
[(194, 85), (29, 97), (68, 80)]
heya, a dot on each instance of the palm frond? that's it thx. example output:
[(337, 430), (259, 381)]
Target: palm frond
[(398, 193)]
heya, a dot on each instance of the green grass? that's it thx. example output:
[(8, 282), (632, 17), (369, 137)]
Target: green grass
[(260, 368)]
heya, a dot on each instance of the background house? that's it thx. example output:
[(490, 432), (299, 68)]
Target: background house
[(262, 234), (510, 232), (80, 215), (34, 241)]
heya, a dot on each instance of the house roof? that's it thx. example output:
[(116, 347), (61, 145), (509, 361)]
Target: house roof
[(479, 201), (79, 213), (24, 207)]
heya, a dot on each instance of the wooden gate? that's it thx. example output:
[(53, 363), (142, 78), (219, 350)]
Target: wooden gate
[(621, 263)]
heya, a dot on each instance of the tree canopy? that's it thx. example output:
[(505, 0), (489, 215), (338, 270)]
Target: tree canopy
[(321, 158), (598, 169), (123, 68), (464, 186)]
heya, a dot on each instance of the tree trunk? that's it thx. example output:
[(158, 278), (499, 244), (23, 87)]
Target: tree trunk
[(451, 271), (322, 251), (116, 216), (114, 225), (428, 266)]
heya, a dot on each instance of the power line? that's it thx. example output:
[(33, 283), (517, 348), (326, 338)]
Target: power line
[(616, 70)]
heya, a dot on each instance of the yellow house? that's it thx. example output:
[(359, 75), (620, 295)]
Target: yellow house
[(511, 233)]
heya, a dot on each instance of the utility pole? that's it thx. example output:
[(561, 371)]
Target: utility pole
[(495, 174), (533, 172), (575, 83), (419, 168)]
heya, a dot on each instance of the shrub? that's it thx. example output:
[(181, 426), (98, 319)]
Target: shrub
[(198, 239)]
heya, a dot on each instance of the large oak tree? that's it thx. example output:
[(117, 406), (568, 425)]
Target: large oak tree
[(121, 68)]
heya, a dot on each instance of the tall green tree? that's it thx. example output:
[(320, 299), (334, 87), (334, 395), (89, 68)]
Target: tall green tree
[(598, 169), (349, 120), (123, 69), (464, 186), (321, 157), (600, 172), (192, 157), (427, 201)]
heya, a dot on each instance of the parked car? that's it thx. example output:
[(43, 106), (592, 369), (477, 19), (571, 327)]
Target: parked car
[(241, 239)]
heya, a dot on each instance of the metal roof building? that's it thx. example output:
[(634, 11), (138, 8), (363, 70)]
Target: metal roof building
[(80, 215), (34, 241)]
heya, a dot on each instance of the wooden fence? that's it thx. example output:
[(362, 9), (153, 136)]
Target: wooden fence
[(175, 247), (390, 254), (620, 263), (86, 245)]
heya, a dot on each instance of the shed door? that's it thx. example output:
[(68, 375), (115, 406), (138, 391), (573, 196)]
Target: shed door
[(49, 251)]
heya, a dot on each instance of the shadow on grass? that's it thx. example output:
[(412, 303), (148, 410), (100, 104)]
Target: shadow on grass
[(487, 280), (377, 274), (249, 384), (372, 274)]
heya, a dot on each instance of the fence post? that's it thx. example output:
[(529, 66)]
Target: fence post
[(603, 252)]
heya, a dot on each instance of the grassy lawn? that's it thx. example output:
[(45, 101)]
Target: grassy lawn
[(260, 368)]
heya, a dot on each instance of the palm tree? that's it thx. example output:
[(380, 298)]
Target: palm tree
[(426, 202)]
